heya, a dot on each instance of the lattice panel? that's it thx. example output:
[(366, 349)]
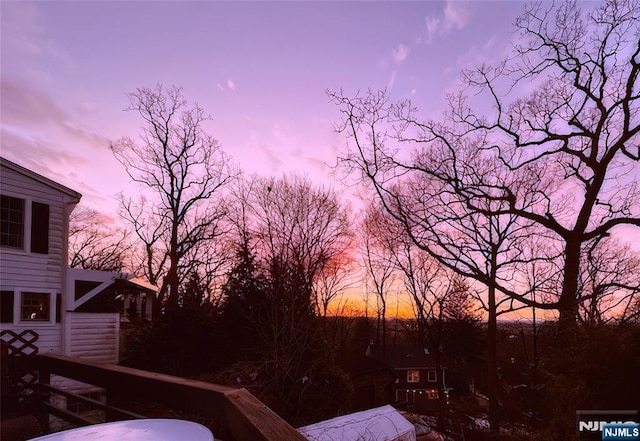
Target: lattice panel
[(20, 344)]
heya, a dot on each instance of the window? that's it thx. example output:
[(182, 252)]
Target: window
[(11, 222), (6, 306), (432, 394), (413, 376), (432, 376), (18, 217), (35, 306)]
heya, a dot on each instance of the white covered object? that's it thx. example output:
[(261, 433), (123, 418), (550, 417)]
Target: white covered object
[(379, 424), (135, 430)]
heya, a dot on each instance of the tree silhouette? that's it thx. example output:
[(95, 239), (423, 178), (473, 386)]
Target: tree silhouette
[(179, 168)]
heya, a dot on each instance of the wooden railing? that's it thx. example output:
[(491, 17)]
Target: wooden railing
[(235, 413)]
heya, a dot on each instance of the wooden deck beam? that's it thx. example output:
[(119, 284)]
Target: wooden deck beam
[(236, 412)]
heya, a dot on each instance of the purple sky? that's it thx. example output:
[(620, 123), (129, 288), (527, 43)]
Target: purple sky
[(259, 68)]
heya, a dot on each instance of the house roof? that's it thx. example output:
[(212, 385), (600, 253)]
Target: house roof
[(356, 363), (37, 177), (106, 280), (403, 356)]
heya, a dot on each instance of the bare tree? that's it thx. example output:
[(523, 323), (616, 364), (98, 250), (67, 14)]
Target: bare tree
[(291, 234), (331, 284), (379, 266), (179, 168), (97, 243), (447, 200), (290, 220), (560, 159), (609, 282), (581, 124)]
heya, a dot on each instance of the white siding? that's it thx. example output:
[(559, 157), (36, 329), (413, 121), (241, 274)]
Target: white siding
[(94, 336), (21, 267), (22, 270)]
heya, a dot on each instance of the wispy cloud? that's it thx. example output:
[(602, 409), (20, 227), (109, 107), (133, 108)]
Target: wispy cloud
[(273, 157), (455, 15), (228, 85), (400, 53), (28, 108), (23, 104), (392, 80)]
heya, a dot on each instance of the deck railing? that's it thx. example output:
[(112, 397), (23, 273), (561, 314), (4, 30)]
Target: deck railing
[(235, 414)]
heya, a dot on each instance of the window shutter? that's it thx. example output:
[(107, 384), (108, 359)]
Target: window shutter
[(6, 306), (39, 228), (58, 308)]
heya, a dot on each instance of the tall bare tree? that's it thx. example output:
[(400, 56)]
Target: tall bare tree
[(180, 168), (561, 158)]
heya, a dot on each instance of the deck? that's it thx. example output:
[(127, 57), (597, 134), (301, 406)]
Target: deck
[(126, 393)]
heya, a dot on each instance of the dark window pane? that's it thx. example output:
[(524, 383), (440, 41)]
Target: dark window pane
[(6, 306), (11, 222), (39, 228)]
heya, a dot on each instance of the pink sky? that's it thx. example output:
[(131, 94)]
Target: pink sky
[(260, 69)]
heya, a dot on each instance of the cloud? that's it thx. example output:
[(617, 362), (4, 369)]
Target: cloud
[(400, 53), (228, 85), (29, 109), (23, 104), (392, 80), (44, 155), (455, 15), (433, 24), (274, 158)]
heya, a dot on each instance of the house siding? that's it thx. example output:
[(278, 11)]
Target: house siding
[(24, 271), (21, 268), (94, 336)]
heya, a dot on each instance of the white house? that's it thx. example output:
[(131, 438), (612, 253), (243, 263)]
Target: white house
[(74, 312)]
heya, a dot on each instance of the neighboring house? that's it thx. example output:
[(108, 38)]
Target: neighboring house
[(74, 312), (417, 370)]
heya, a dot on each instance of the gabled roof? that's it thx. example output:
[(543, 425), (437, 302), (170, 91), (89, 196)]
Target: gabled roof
[(357, 363), (105, 280), (403, 356), (39, 178)]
